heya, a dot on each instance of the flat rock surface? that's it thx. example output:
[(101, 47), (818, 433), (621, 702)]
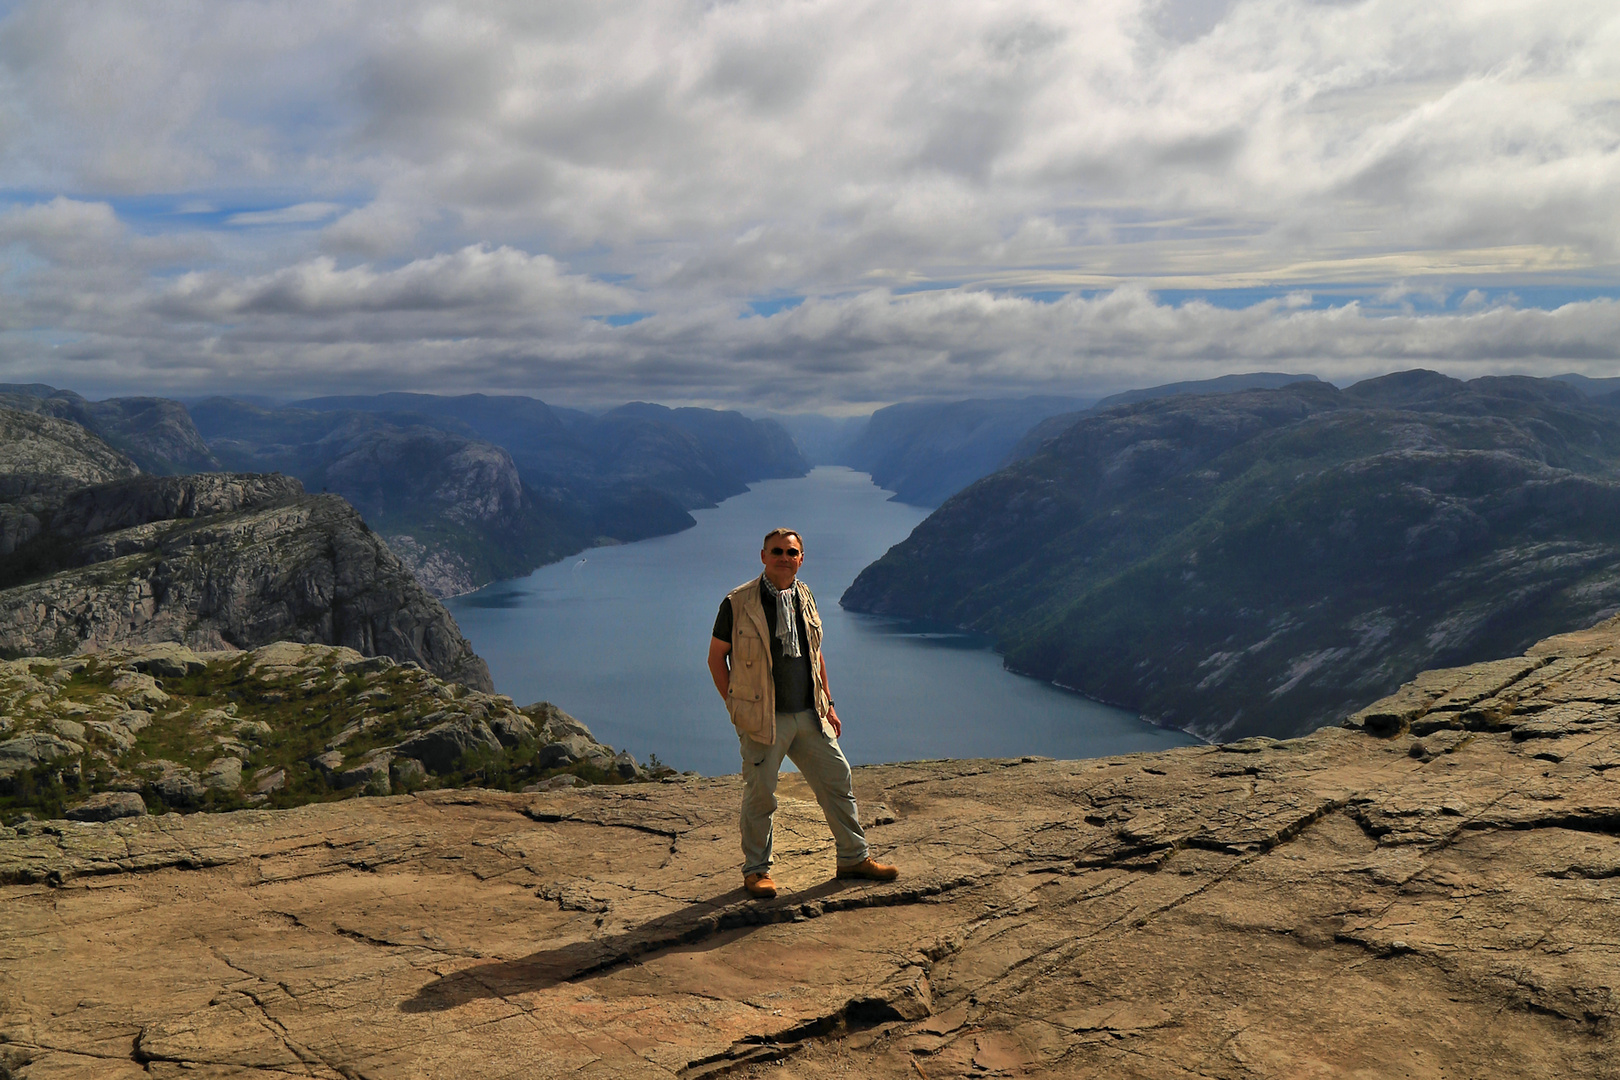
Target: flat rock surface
[(1343, 905)]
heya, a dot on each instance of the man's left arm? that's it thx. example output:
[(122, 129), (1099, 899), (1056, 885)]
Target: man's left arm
[(832, 713)]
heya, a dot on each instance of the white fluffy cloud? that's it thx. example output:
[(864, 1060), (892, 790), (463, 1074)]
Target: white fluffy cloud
[(466, 195)]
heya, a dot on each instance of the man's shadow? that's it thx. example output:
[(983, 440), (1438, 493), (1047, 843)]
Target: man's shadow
[(730, 911)]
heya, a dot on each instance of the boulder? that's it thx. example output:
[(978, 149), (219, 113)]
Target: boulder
[(566, 751), (441, 747), (406, 773), (166, 660), (71, 730), (108, 806), (269, 779), (512, 728), (223, 774), (32, 750), (372, 777), (178, 785)]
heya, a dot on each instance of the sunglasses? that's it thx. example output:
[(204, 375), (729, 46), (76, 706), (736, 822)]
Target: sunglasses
[(792, 553)]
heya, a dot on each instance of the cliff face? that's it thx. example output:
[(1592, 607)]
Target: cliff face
[(1433, 903), (215, 560), (1264, 562)]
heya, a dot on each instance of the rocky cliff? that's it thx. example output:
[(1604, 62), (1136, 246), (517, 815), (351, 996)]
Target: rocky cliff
[(1267, 561), (1428, 894), (215, 560)]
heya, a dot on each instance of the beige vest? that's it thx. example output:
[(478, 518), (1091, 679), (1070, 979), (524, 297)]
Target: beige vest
[(752, 701)]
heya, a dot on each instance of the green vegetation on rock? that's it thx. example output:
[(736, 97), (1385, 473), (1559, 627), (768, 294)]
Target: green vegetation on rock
[(278, 726)]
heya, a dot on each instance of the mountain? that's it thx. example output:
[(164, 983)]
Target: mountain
[(475, 488), (1595, 388), (697, 457), (451, 506), (213, 560), (823, 440), (40, 454), (1225, 384), (1264, 562), (156, 433), (926, 452)]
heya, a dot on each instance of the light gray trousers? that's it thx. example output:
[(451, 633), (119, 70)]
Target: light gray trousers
[(799, 737)]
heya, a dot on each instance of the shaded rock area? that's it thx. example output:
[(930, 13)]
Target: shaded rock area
[(112, 734), (1436, 905), (214, 560)]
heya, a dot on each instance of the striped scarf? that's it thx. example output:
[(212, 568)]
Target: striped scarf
[(787, 622)]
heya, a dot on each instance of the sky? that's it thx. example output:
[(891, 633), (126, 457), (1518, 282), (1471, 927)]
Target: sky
[(806, 204)]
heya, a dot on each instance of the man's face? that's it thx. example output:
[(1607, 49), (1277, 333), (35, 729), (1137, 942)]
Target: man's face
[(782, 557)]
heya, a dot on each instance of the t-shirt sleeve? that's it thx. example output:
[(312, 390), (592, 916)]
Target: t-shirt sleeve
[(722, 621)]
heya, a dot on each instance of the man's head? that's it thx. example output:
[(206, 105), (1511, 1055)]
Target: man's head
[(782, 553)]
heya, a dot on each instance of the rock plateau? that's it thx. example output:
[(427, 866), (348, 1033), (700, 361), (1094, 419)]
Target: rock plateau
[(1430, 892)]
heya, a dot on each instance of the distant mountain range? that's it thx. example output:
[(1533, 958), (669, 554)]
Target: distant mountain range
[(925, 452), (1266, 561)]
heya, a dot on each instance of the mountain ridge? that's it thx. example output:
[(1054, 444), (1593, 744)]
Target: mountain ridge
[(1260, 562)]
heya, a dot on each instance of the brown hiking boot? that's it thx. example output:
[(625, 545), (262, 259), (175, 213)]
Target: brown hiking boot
[(869, 870), (760, 885)]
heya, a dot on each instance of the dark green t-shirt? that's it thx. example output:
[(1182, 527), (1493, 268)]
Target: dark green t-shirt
[(795, 692)]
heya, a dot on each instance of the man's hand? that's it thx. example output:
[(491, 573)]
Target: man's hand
[(832, 713), (718, 668)]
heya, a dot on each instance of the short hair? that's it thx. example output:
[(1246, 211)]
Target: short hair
[(781, 532)]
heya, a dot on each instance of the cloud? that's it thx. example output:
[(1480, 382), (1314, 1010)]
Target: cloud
[(476, 173), (473, 281), (306, 213)]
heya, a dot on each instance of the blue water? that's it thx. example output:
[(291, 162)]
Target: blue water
[(619, 637)]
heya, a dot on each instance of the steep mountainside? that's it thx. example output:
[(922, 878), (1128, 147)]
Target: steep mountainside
[(1265, 562), (156, 433), (925, 453), (214, 560)]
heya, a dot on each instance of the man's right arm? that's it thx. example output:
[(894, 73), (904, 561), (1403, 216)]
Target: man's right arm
[(719, 668)]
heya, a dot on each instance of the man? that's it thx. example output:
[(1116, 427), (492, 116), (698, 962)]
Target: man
[(766, 660)]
